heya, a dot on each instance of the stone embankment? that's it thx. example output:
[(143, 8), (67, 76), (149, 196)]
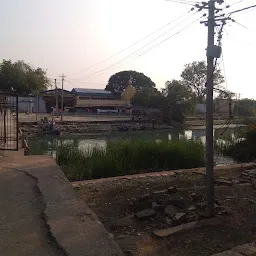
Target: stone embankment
[(72, 128)]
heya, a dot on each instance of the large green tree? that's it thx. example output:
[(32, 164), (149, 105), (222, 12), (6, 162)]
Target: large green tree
[(119, 81), (194, 76), (21, 78), (180, 100)]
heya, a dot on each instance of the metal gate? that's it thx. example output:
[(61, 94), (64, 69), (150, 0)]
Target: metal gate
[(9, 130)]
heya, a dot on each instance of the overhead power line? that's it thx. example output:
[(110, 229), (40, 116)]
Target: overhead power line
[(130, 46), (192, 3), (243, 9), (156, 45), (84, 82), (130, 55)]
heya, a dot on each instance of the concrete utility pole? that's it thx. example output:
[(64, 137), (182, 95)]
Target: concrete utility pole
[(62, 96), (209, 108), (213, 51)]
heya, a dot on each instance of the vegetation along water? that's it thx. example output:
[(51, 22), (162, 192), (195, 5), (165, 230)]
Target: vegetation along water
[(97, 156)]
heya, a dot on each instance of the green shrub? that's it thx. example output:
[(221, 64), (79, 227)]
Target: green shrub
[(243, 150), (129, 157)]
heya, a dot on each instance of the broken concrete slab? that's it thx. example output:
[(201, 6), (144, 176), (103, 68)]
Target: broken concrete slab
[(223, 182), (240, 250), (162, 233), (191, 208), (246, 249), (227, 253)]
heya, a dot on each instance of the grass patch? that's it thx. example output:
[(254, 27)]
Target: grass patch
[(129, 157)]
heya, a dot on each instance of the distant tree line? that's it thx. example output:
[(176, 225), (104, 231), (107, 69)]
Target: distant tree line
[(178, 97)]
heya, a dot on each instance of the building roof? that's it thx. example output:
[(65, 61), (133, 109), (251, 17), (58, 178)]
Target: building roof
[(53, 91), (85, 91)]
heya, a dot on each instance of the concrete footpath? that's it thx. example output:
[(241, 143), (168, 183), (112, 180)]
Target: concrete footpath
[(41, 215)]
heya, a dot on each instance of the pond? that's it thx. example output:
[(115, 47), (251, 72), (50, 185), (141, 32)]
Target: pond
[(47, 145)]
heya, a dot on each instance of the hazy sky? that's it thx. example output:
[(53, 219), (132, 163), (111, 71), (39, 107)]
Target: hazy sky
[(65, 36)]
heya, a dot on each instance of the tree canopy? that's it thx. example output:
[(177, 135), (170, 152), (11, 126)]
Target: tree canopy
[(194, 76), (148, 97), (180, 100), (119, 81), (21, 78)]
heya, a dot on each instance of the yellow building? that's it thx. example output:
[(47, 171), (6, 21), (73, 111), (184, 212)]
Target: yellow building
[(99, 100)]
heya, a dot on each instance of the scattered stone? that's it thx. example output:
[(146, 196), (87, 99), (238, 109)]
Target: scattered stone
[(236, 182), (223, 182), (216, 206), (201, 205), (172, 189), (245, 180), (179, 218), (156, 206), (246, 249), (196, 196), (147, 213), (251, 172), (175, 201), (159, 192), (191, 208), (192, 217), (169, 221), (171, 210)]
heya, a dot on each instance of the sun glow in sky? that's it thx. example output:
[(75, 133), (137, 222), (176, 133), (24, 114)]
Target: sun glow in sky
[(64, 36)]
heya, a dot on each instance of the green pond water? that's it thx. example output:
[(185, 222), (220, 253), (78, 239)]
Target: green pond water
[(47, 145)]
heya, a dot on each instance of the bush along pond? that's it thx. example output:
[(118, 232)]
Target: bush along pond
[(129, 157), (242, 149)]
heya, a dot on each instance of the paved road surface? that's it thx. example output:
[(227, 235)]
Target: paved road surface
[(23, 232)]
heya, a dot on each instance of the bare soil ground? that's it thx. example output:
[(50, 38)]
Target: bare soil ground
[(116, 203)]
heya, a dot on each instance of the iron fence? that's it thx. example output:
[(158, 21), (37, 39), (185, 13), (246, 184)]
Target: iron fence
[(9, 131)]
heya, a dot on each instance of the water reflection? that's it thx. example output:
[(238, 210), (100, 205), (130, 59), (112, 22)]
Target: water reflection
[(48, 145)]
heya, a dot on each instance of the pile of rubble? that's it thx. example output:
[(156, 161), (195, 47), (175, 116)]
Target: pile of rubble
[(167, 209)]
